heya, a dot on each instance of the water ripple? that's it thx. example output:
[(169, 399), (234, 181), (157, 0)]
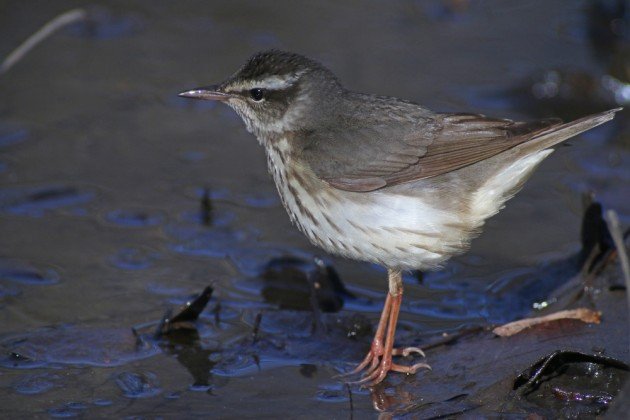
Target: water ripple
[(74, 346), (134, 217), (24, 273), (35, 201), (138, 385)]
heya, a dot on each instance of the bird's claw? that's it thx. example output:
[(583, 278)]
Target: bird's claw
[(376, 366), (378, 362), (407, 351)]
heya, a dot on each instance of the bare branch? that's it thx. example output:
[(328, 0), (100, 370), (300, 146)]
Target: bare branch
[(44, 32)]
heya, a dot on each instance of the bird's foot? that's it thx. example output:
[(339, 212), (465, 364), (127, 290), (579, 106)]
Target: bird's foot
[(370, 362), (376, 364), (378, 361), (380, 366)]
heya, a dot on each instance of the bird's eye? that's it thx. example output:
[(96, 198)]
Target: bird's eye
[(257, 94)]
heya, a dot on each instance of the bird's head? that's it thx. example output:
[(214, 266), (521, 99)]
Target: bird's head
[(276, 91)]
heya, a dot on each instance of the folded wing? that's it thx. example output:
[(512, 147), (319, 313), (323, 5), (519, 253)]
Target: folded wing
[(368, 158)]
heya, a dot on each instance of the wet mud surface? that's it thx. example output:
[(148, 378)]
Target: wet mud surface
[(120, 202)]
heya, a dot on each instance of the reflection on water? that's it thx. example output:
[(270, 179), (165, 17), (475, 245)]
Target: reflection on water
[(37, 200), (119, 200)]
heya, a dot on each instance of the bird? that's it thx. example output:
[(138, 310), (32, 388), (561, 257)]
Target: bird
[(381, 179)]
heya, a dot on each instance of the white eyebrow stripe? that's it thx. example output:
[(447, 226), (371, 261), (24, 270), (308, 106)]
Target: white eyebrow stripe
[(278, 82), (275, 82), (270, 83)]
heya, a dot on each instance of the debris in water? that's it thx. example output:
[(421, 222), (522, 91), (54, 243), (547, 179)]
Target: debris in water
[(206, 207), (138, 385), (583, 314), (618, 239), (256, 327), (593, 233), (531, 377), (294, 283), (187, 315)]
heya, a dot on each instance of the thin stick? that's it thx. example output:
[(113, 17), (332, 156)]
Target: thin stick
[(44, 32), (583, 314), (256, 327), (350, 399), (615, 231)]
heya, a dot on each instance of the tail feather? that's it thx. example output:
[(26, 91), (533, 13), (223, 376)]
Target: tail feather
[(560, 133), (510, 170)]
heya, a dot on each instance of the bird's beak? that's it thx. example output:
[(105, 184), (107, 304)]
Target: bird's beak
[(209, 93)]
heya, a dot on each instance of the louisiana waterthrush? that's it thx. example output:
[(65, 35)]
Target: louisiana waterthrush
[(382, 179)]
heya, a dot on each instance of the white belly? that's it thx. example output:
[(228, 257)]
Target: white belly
[(397, 230)]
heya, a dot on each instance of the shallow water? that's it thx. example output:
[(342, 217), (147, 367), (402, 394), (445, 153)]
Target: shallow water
[(103, 168)]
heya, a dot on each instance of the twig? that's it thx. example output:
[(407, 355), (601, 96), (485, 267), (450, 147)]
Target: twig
[(206, 207), (217, 313), (350, 400), (44, 32), (256, 327), (615, 231), (583, 314)]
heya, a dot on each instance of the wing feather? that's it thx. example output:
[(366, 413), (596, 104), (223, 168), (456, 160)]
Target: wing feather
[(366, 159)]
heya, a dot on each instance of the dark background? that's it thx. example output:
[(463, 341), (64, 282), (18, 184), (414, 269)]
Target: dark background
[(102, 169)]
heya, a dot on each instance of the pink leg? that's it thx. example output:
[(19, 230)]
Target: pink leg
[(379, 358)]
